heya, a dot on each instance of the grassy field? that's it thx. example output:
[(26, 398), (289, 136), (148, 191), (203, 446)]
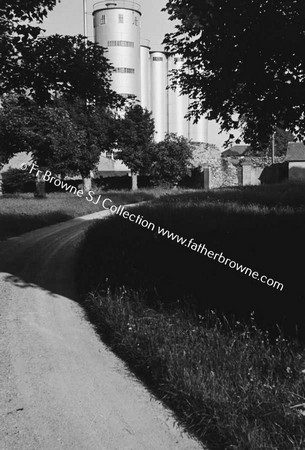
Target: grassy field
[(22, 213), (261, 228), (185, 322)]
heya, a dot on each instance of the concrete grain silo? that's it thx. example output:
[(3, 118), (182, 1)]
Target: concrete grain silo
[(117, 28), (159, 93), (178, 104), (199, 131), (145, 75)]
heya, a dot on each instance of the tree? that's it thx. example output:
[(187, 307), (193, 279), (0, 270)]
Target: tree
[(135, 140), (97, 133), (170, 159), (66, 139), (16, 30), (69, 80), (244, 63), (282, 138), (13, 140), (17, 180), (66, 67), (47, 133), (74, 73)]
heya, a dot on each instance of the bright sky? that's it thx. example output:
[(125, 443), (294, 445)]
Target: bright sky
[(67, 18)]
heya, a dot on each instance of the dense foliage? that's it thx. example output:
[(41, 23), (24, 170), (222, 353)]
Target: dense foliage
[(17, 180), (170, 159), (16, 31), (135, 138), (56, 93), (63, 66), (244, 63), (64, 138)]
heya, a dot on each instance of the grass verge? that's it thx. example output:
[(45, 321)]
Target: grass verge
[(260, 228), (22, 213), (232, 384), (226, 382)]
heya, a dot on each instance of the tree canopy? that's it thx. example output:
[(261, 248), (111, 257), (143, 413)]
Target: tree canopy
[(244, 63), (60, 110), (135, 138), (26, 9), (56, 93), (47, 133), (62, 66), (170, 159), (281, 139), (97, 133), (66, 139), (17, 30)]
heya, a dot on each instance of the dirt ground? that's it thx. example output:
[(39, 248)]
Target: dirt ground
[(61, 388)]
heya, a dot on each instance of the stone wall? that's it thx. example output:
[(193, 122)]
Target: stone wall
[(262, 161), (256, 170), (222, 171), (251, 175)]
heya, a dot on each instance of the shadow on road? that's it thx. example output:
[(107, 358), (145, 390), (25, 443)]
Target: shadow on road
[(46, 257)]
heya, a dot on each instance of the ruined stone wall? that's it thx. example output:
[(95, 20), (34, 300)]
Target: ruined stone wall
[(222, 172), (262, 161)]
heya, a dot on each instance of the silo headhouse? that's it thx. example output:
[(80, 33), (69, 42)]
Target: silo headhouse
[(117, 28)]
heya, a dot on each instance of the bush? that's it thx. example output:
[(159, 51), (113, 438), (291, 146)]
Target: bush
[(170, 159), (17, 181)]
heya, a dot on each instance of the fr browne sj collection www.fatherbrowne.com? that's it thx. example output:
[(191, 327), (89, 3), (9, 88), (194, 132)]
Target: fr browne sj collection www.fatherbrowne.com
[(108, 204)]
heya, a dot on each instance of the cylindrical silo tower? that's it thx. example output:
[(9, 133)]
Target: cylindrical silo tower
[(145, 75), (178, 104), (199, 130), (159, 93), (117, 28)]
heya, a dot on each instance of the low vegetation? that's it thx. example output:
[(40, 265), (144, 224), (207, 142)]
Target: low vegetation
[(22, 213), (261, 228), (186, 323), (226, 382)]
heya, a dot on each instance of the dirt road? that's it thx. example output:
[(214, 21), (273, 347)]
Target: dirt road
[(61, 388)]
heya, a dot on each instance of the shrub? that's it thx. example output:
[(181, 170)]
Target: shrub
[(17, 181)]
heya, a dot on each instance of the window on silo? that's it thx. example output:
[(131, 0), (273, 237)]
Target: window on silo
[(124, 70), (157, 58), (120, 44), (103, 20), (136, 21), (121, 18)]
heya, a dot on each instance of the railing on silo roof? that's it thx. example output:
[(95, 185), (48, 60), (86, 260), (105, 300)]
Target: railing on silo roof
[(120, 4)]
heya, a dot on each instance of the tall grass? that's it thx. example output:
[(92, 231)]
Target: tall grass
[(227, 383), (264, 233), (184, 322), (22, 213)]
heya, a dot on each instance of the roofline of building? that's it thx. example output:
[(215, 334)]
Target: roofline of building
[(145, 43), (163, 52), (119, 4)]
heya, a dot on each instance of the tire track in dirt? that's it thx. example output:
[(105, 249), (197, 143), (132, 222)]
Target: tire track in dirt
[(61, 387)]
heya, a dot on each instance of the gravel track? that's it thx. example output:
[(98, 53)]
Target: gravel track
[(60, 386)]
